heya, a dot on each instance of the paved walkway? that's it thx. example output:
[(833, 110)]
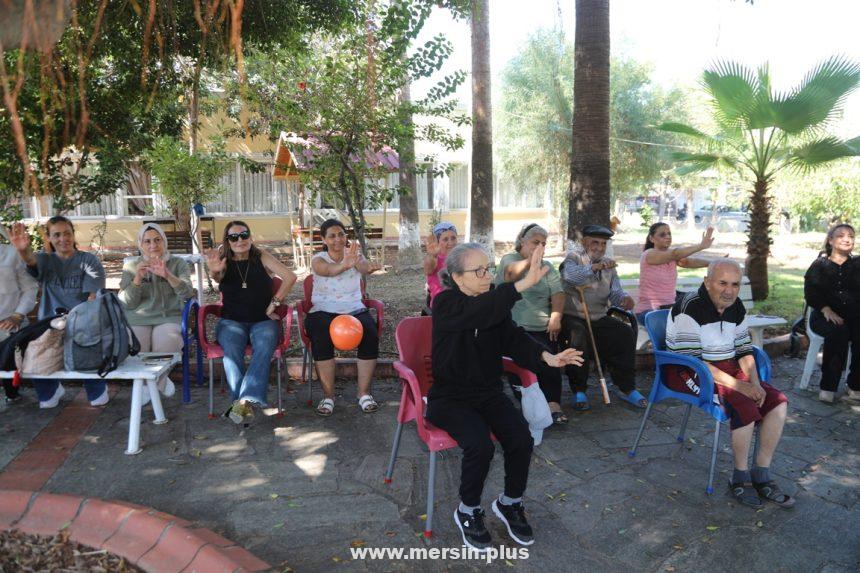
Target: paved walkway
[(300, 491)]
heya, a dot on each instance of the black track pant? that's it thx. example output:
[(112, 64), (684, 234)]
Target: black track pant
[(616, 346), (837, 339), (470, 421)]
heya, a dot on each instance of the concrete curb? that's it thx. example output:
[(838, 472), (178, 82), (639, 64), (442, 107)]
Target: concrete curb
[(150, 539)]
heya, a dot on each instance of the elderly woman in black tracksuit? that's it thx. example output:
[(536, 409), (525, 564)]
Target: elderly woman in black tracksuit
[(472, 330)]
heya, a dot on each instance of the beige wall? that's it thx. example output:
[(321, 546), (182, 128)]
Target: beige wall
[(275, 229)]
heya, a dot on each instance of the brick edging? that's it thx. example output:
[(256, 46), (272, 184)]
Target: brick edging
[(152, 540)]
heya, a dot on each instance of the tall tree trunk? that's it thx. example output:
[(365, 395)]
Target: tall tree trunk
[(481, 208), (589, 166), (758, 245), (409, 242), (431, 200)]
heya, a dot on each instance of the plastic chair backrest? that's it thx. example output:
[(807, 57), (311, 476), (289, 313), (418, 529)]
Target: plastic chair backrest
[(655, 324), (308, 287), (414, 337)]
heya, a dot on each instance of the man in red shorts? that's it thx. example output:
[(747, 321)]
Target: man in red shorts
[(710, 324)]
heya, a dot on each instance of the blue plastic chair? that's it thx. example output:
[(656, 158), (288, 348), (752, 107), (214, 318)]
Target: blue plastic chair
[(189, 334), (707, 400)]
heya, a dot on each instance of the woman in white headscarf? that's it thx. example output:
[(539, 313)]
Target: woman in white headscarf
[(153, 290)]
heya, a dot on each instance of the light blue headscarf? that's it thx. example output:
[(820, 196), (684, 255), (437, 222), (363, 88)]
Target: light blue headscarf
[(442, 227)]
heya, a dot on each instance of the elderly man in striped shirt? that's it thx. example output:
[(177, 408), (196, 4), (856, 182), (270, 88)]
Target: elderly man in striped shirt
[(710, 324)]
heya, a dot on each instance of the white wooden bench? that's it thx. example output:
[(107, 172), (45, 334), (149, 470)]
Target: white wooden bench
[(757, 322)]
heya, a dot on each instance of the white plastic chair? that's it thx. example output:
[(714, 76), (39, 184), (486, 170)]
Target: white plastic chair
[(815, 343)]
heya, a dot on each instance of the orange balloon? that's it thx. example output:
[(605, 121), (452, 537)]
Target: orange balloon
[(345, 332)]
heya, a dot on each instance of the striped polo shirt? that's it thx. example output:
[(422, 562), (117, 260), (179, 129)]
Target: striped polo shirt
[(696, 329)]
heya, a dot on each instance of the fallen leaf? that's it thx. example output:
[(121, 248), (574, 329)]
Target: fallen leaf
[(549, 496), (622, 531), (712, 527), (273, 496), (670, 568), (673, 475), (200, 437), (278, 525), (390, 533), (759, 524), (508, 563), (423, 517), (357, 543), (679, 547), (336, 559)]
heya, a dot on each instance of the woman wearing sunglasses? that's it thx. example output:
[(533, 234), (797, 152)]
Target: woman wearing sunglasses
[(472, 331), (439, 243), (658, 268), (248, 314), (540, 309), (153, 290), (338, 272)]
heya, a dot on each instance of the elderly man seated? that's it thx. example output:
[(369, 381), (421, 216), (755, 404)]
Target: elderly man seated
[(588, 274), (710, 324)]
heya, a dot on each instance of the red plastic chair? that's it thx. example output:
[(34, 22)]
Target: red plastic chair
[(303, 308), (414, 337), (212, 350)]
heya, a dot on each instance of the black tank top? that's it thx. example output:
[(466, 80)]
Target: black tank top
[(246, 304)]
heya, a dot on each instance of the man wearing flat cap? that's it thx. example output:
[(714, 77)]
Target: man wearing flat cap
[(586, 266)]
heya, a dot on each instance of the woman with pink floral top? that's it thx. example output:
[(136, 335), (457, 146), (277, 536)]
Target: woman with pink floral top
[(439, 244)]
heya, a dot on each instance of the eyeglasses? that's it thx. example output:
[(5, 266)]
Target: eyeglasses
[(481, 272), (233, 237)]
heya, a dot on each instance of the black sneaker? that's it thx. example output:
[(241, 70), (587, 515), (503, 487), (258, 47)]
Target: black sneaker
[(514, 518), (475, 535)]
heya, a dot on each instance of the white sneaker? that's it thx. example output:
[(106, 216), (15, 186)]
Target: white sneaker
[(853, 395), (55, 399), (167, 387), (826, 396), (101, 400)]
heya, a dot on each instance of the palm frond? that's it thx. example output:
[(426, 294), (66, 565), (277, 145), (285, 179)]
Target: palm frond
[(684, 129), (733, 89), (819, 97), (820, 151), (698, 162)]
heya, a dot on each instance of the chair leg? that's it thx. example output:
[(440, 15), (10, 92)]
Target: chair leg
[(809, 365), (390, 471), (680, 437), (710, 488), (431, 490), (222, 389), (199, 373), (632, 451), (211, 389), (280, 398)]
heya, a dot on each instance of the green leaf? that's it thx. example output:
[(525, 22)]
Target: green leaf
[(712, 527)]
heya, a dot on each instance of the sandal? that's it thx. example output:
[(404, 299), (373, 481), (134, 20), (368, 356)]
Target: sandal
[(745, 494), (634, 398), (559, 419), (770, 491), (325, 407), (368, 404), (580, 402)]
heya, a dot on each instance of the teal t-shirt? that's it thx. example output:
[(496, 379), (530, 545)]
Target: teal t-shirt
[(533, 310)]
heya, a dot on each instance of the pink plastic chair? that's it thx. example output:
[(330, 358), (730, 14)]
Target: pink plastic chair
[(212, 350), (414, 336), (304, 307)]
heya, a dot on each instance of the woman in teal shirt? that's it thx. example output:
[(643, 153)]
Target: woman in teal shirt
[(540, 309)]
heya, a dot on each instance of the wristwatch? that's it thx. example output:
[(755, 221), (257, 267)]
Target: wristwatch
[(276, 302)]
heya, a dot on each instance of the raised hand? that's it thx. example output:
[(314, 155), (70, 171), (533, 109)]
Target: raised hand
[(372, 267), (707, 238), (350, 256), (432, 245), (535, 272), (19, 237), (158, 268), (141, 273), (214, 261), (569, 356)]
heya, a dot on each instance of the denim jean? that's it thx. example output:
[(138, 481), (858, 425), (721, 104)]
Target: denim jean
[(45, 388), (252, 382)]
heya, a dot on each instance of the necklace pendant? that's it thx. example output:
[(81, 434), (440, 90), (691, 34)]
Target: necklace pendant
[(244, 285)]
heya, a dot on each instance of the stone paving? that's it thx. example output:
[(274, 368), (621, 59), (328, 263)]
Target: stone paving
[(300, 491)]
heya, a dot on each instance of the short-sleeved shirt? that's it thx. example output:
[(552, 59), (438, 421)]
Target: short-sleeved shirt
[(434, 285), (66, 283), (532, 312), (656, 284), (340, 294)]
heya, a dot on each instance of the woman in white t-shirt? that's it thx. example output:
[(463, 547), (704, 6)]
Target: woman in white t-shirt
[(337, 273)]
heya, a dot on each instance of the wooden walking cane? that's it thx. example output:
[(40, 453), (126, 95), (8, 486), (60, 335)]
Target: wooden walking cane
[(600, 376)]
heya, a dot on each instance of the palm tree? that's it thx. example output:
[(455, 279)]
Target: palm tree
[(761, 132), (589, 165), (481, 208)]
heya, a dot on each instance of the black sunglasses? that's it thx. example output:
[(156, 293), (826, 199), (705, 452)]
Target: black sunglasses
[(233, 237)]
